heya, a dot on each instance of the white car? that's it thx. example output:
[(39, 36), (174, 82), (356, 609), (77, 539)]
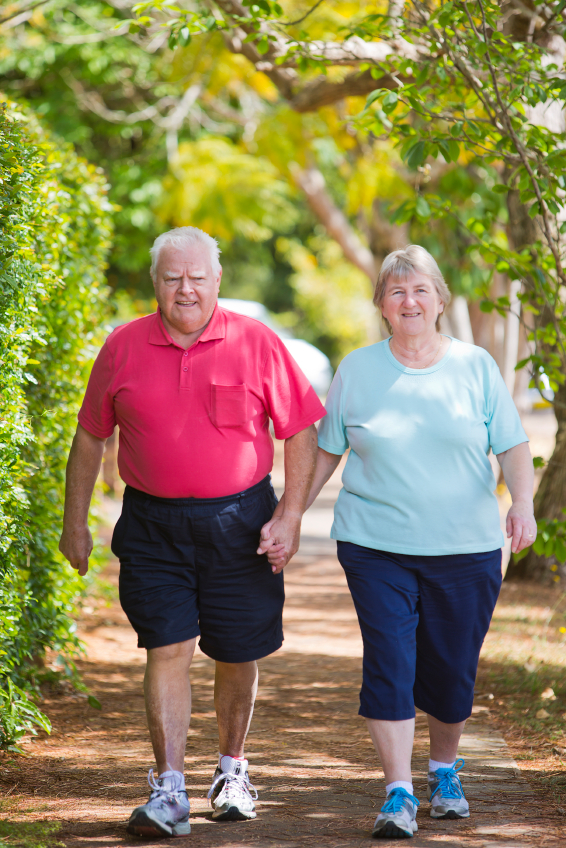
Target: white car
[(314, 364)]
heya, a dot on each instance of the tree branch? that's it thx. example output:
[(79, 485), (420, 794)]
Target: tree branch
[(283, 54), (300, 20), (93, 102), (322, 92), (24, 11), (336, 224)]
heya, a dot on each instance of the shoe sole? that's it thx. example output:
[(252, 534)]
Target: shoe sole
[(392, 831), (147, 827), (450, 814), (233, 814)]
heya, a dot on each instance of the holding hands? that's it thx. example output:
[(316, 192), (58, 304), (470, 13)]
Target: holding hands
[(279, 538)]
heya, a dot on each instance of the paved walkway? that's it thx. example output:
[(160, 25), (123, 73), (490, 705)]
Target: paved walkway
[(310, 755)]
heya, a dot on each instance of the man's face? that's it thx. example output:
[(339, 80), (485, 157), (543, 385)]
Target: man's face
[(186, 288)]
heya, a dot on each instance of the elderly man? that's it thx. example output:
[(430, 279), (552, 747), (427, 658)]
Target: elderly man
[(192, 388)]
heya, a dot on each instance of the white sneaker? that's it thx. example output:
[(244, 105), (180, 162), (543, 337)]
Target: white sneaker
[(167, 811), (398, 816), (230, 793), (445, 793)]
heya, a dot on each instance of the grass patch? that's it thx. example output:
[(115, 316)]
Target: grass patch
[(522, 682), (30, 834)]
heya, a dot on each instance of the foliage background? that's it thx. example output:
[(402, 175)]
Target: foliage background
[(56, 231)]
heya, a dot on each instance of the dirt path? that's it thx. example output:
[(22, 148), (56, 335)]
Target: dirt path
[(309, 753)]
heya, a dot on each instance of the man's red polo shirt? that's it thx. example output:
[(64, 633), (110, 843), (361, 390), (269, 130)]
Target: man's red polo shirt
[(195, 423)]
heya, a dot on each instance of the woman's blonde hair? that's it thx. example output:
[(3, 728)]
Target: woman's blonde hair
[(402, 264)]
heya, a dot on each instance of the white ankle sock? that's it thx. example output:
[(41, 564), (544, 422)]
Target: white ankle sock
[(172, 781), (399, 784), (228, 760), (436, 764)]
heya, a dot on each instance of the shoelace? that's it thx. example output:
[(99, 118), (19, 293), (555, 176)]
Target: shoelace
[(157, 788), (449, 785), (396, 800), (235, 781)]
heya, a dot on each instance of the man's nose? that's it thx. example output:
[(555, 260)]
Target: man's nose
[(186, 285)]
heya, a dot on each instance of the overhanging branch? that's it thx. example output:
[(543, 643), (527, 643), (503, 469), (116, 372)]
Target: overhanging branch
[(334, 221)]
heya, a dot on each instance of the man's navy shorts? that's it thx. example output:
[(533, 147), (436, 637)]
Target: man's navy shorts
[(189, 566), (423, 621)]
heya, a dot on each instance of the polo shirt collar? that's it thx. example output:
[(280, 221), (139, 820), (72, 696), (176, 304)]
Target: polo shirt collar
[(216, 329)]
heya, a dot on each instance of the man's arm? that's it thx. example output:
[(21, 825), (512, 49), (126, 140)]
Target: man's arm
[(285, 526), (517, 466), (83, 466)]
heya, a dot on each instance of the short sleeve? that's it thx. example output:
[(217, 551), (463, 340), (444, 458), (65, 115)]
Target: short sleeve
[(290, 400), (332, 432), (503, 422), (97, 411)]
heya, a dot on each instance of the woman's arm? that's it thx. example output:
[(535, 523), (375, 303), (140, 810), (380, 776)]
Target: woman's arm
[(517, 466), (326, 465)]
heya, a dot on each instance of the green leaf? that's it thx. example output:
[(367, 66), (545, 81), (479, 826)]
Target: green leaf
[(415, 155), (422, 208), (538, 546), (539, 462), (560, 550), (184, 36), (549, 547), (499, 188), (375, 95), (454, 149), (94, 703), (389, 102)]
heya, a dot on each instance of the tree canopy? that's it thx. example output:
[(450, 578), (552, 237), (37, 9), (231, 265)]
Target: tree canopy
[(319, 137)]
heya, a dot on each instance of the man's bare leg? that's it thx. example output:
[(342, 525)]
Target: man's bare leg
[(167, 690), (235, 690)]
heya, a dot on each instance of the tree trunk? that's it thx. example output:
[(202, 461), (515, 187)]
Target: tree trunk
[(551, 495), (512, 328), (550, 499)]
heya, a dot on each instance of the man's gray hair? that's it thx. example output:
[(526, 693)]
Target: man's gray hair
[(186, 237)]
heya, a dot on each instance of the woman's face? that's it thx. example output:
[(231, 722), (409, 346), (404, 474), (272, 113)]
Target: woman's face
[(412, 306)]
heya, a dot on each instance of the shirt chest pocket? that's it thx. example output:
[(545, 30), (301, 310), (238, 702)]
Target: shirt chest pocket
[(229, 405)]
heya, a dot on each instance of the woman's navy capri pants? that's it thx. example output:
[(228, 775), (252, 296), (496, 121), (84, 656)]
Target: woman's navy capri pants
[(423, 621)]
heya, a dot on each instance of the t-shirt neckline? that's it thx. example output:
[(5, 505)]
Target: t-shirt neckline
[(406, 370)]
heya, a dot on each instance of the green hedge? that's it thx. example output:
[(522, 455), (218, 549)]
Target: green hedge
[(54, 239)]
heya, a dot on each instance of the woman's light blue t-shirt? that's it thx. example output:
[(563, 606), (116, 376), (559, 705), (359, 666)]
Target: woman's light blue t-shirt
[(418, 479)]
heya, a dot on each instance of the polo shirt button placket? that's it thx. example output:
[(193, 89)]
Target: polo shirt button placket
[(185, 380)]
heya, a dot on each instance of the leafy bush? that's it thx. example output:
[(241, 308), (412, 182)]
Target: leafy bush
[(53, 242)]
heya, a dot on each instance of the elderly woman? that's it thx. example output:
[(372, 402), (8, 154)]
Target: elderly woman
[(417, 524)]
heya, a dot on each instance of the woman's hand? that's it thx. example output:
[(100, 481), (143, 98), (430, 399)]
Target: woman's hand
[(521, 525), (517, 466)]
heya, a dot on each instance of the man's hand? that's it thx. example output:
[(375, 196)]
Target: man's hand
[(82, 469), (521, 526), (76, 545), (279, 539)]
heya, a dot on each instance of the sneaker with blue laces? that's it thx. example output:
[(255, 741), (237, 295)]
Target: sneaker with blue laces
[(446, 795), (398, 816), (167, 811)]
